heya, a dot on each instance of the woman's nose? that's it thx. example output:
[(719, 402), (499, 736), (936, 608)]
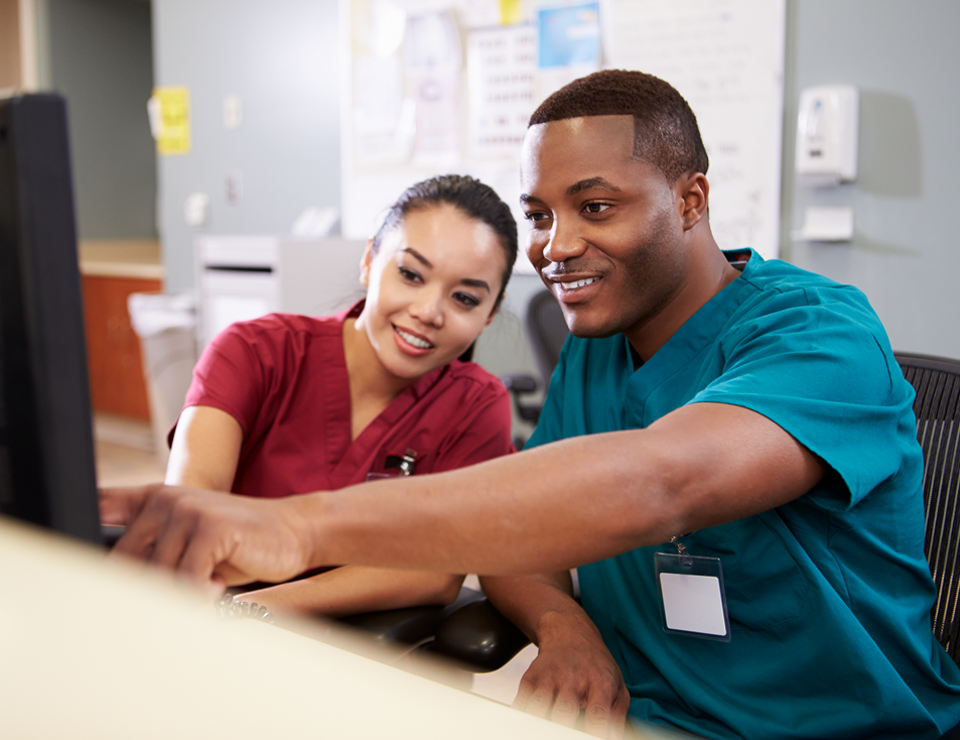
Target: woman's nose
[(428, 307)]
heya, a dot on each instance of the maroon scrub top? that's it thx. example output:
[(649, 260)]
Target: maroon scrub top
[(283, 377)]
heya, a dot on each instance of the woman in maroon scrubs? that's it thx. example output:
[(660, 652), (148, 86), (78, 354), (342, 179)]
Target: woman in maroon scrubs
[(290, 404)]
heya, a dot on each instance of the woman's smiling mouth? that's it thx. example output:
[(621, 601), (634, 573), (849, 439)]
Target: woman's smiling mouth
[(412, 339)]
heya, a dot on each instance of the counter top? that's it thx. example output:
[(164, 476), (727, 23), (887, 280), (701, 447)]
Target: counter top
[(129, 258)]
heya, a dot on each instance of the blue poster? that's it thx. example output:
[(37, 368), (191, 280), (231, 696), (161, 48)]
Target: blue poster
[(569, 35)]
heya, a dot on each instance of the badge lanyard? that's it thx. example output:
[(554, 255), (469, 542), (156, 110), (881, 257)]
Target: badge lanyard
[(692, 598)]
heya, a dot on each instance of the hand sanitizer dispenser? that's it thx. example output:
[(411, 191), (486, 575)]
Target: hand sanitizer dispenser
[(827, 135)]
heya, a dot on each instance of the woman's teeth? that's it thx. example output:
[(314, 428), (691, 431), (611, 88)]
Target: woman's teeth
[(579, 283), (415, 341)]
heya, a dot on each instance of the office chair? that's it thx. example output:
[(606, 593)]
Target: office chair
[(547, 331), (937, 406)]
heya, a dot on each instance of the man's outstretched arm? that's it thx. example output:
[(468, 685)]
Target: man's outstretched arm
[(543, 510)]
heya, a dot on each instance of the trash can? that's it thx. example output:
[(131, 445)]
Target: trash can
[(166, 326)]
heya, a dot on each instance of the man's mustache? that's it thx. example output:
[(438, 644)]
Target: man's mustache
[(575, 266)]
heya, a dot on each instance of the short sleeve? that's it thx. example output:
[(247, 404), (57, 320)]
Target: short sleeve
[(823, 371), (230, 376), (482, 433)]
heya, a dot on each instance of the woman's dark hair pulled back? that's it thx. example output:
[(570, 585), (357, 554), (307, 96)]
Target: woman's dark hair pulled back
[(470, 196)]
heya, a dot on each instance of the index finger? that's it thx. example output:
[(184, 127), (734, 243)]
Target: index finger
[(121, 505)]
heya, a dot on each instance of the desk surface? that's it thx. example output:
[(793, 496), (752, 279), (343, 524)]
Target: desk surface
[(96, 648)]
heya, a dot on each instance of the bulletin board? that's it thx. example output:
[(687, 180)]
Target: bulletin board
[(442, 86)]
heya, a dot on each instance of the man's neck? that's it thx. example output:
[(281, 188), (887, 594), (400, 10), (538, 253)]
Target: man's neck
[(710, 273)]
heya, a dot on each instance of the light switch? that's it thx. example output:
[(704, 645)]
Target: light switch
[(232, 112), (234, 186), (196, 208)]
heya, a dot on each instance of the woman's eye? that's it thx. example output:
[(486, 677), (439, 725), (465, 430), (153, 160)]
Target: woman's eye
[(409, 274), (596, 207), (534, 216), (467, 300)]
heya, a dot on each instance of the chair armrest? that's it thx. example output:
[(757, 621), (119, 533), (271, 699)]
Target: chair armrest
[(478, 636), (411, 625), (520, 384)]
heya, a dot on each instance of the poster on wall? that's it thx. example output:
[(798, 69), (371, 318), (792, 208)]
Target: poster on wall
[(501, 75), (455, 93)]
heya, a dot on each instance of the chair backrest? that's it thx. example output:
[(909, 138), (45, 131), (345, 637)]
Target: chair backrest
[(548, 331), (937, 406)]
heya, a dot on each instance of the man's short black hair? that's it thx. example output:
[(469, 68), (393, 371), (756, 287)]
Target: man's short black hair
[(665, 129)]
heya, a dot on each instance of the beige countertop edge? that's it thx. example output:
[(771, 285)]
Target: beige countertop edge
[(131, 258), (91, 268)]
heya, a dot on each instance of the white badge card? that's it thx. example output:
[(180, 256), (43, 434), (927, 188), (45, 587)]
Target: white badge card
[(692, 598)]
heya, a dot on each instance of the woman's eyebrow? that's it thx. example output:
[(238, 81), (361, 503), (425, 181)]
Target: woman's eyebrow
[(418, 256), (473, 283)]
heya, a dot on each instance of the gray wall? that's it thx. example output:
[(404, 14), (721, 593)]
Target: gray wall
[(281, 59), (905, 59), (97, 54)]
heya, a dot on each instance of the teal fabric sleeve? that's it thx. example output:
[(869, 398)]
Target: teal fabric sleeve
[(819, 368)]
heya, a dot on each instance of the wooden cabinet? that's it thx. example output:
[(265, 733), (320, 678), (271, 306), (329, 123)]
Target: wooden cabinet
[(117, 385)]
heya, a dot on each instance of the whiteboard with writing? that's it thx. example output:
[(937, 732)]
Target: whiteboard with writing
[(726, 58)]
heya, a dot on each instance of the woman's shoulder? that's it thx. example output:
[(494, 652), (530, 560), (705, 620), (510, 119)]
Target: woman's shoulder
[(281, 327), (472, 375)]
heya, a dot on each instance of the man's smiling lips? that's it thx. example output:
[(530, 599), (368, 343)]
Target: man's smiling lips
[(576, 284), (573, 289)]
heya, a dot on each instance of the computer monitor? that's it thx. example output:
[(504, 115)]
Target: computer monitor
[(47, 472)]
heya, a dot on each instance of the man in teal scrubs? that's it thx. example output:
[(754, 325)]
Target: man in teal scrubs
[(739, 425)]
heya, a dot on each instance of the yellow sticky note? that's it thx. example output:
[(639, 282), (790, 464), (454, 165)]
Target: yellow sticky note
[(173, 136), (511, 12)]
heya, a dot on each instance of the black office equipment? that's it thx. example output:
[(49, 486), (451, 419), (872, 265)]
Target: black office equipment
[(547, 331), (937, 406), (47, 472)]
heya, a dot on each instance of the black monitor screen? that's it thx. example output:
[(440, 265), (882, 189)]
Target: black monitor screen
[(47, 473)]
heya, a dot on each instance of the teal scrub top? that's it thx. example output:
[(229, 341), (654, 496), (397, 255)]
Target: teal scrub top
[(829, 596)]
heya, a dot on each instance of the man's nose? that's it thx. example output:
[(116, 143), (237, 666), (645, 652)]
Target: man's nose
[(565, 242)]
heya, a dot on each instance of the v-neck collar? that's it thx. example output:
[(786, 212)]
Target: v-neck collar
[(696, 333), (347, 454)]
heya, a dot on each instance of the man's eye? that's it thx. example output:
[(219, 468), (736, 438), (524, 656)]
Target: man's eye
[(535, 216), (596, 207)]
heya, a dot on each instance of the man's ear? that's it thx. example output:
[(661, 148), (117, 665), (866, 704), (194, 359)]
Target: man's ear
[(365, 261), (694, 192)]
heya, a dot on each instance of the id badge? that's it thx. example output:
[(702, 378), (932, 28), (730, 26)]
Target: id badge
[(692, 599)]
